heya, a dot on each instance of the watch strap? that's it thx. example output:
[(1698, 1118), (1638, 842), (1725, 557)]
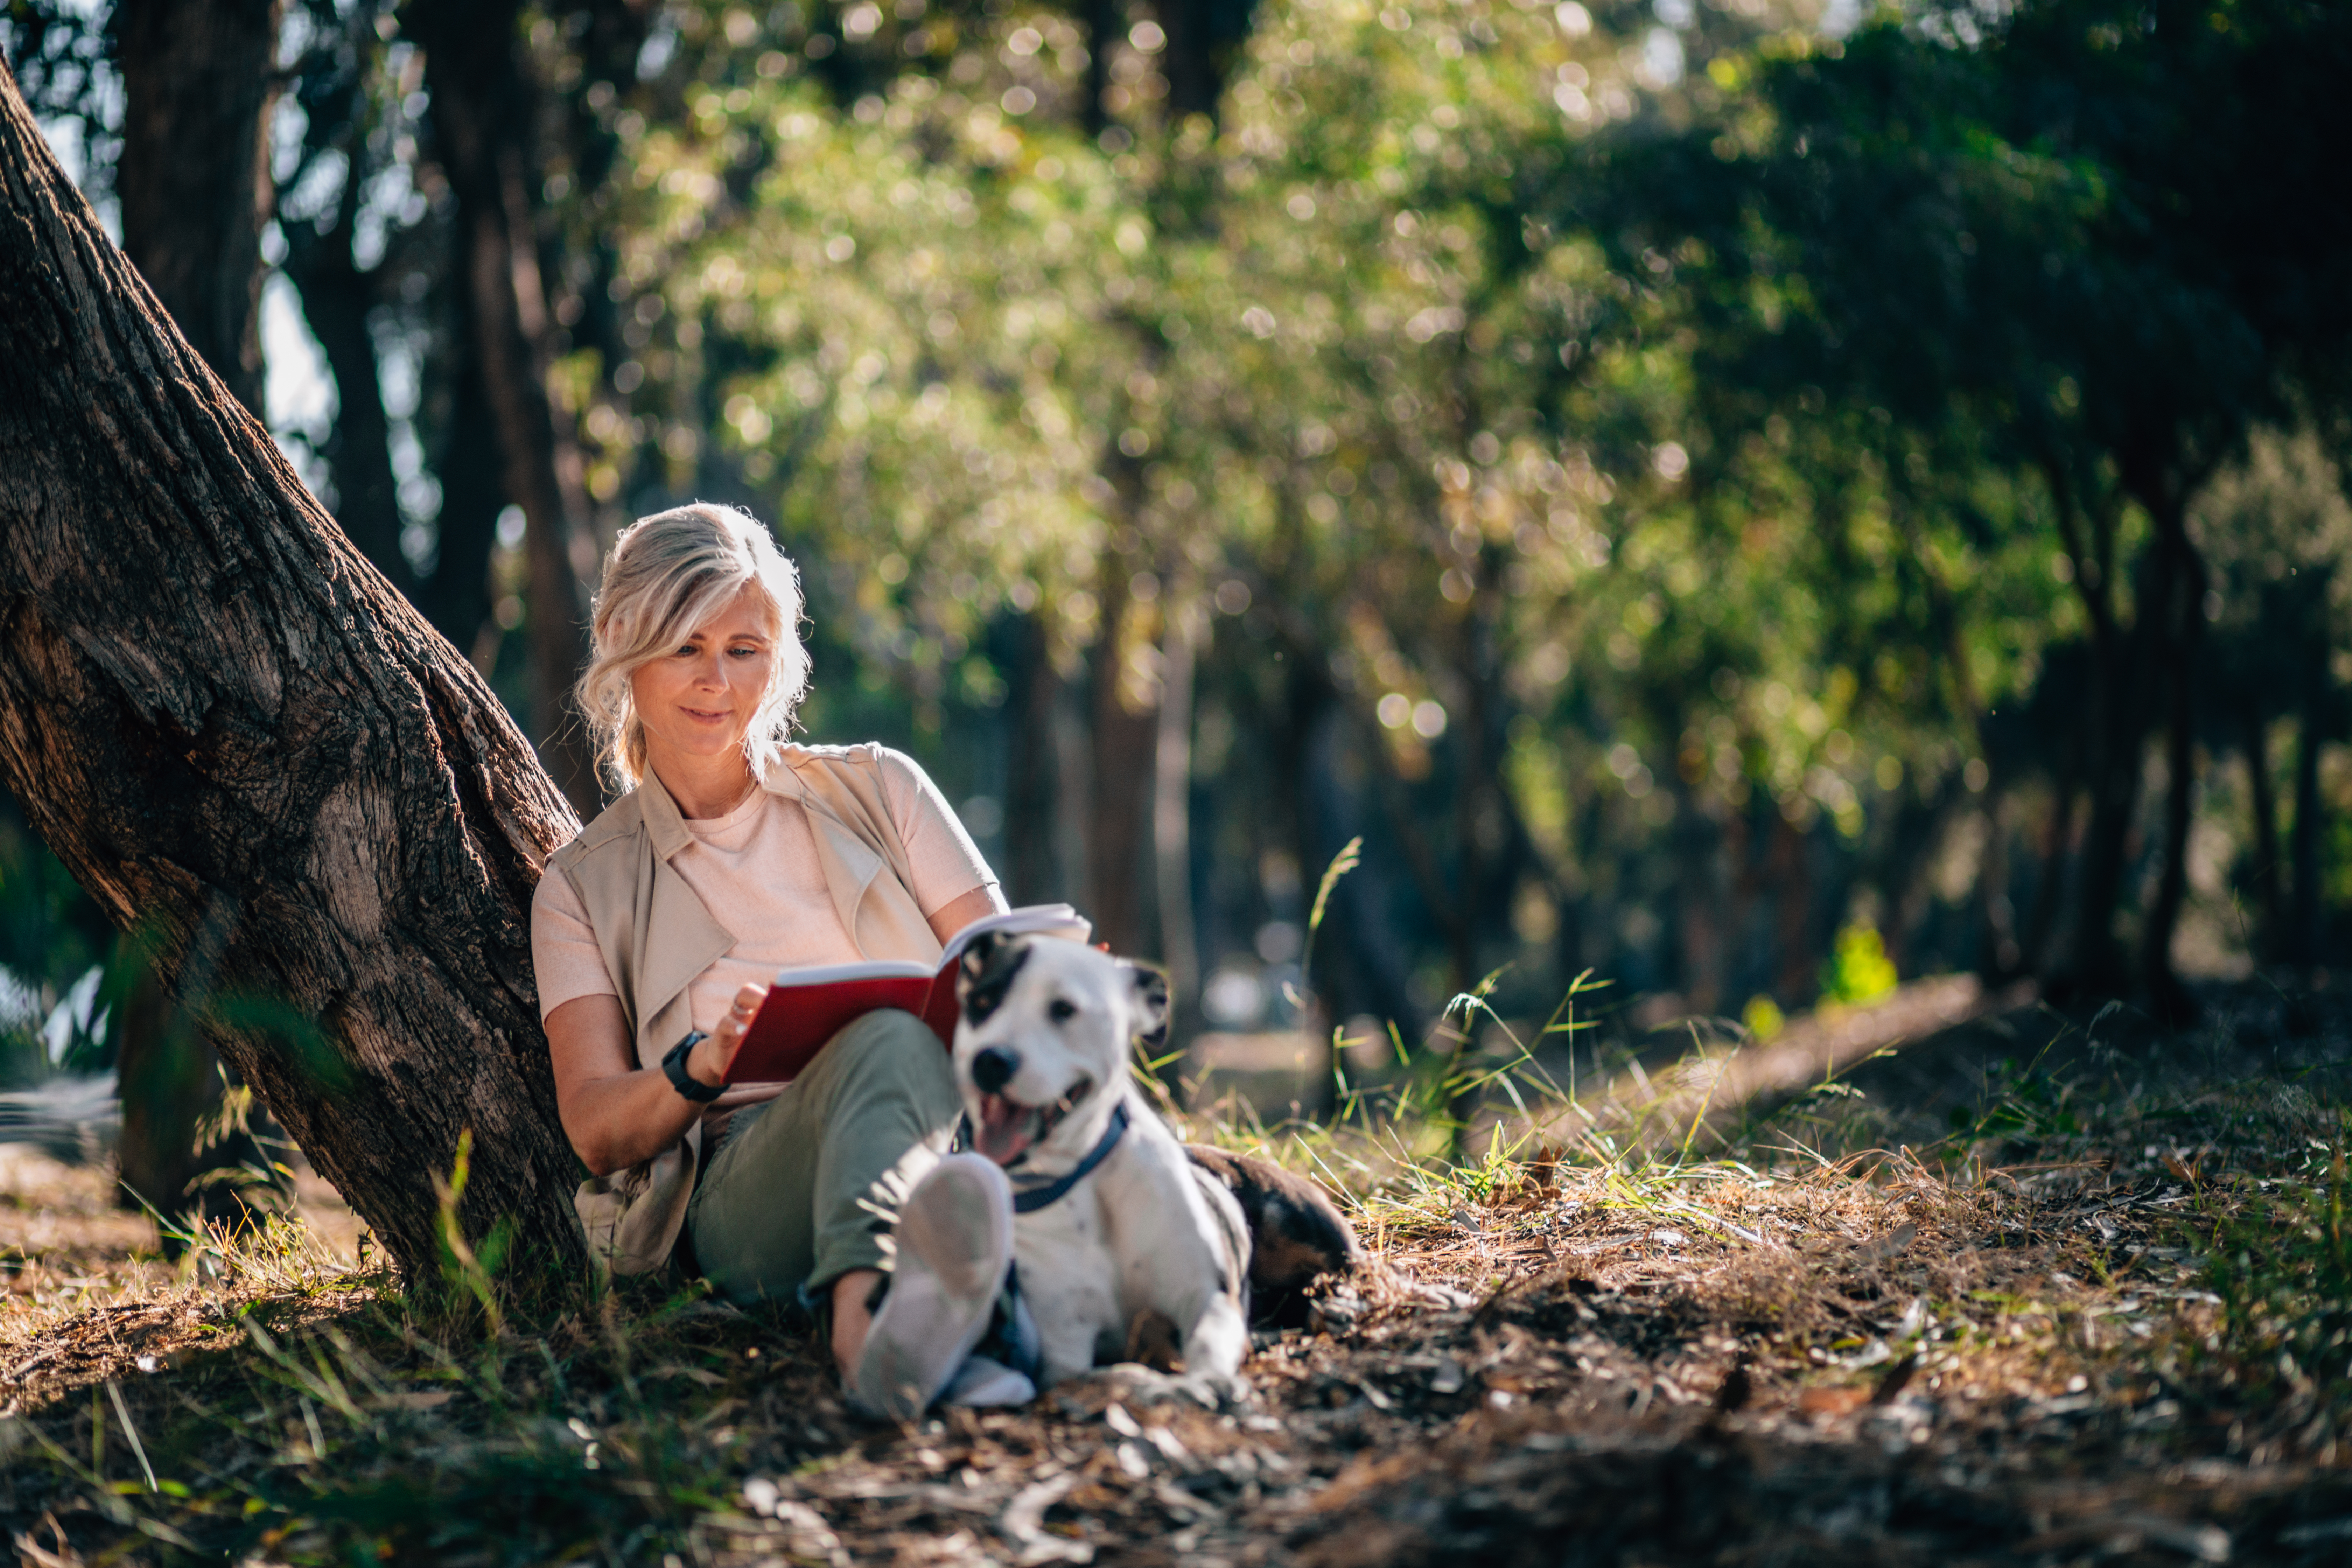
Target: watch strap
[(686, 1083)]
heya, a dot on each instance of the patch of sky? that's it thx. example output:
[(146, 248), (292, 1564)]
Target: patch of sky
[(311, 198), (297, 393), (1661, 57), (1839, 17), (85, 79), (388, 201), (1676, 14), (659, 46)]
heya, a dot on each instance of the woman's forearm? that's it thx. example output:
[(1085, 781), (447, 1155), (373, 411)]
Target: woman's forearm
[(617, 1115), (614, 1122)]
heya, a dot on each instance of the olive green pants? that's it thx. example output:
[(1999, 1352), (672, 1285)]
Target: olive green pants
[(803, 1188)]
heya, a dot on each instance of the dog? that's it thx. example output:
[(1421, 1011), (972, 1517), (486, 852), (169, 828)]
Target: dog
[(1125, 1241)]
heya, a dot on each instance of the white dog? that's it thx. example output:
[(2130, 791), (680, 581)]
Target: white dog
[(1121, 1240)]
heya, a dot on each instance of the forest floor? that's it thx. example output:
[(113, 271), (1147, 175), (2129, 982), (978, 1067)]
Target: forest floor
[(2030, 1289)]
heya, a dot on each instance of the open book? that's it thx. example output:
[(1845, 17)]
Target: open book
[(806, 1007)]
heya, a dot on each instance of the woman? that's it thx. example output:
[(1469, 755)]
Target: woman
[(734, 853)]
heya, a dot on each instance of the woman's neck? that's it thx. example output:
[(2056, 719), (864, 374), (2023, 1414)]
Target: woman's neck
[(705, 788)]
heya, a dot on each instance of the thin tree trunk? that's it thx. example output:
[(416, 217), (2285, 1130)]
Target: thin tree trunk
[(2179, 629), (2269, 911), (1125, 740), (1190, 63), (1171, 816), (482, 113), (2096, 965), (1105, 22), (1789, 869), (240, 739), (2303, 934), (457, 597), (1699, 903), (193, 177), (2035, 956), (336, 299), (1029, 762)]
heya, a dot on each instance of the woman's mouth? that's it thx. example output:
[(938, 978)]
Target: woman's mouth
[(1007, 1129)]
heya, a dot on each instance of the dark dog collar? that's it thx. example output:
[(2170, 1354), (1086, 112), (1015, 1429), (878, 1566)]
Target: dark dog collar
[(1034, 1198)]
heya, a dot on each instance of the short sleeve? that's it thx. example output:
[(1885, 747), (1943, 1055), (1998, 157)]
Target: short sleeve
[(563, 951), (944, 861)]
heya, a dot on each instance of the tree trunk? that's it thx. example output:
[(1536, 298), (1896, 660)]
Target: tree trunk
[(1125, 741), (457, 597), (1172, 818), (2301, 945), (240, 739), (2095, 966), (336, 299), (193, 179), (1103, 22), (483, 114), (2180, 627), (1789, 869), (1030, 764), (2268, 910)]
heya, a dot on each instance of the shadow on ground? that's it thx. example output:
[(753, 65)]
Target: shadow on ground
[(2014, 1334)]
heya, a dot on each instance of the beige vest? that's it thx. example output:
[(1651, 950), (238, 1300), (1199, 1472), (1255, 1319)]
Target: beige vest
[(655, 936)]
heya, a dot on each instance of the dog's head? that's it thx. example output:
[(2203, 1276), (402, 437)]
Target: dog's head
[(1041, 1048)]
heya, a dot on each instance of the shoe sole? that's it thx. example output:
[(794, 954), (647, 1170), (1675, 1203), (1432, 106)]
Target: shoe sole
[(955, 1237)]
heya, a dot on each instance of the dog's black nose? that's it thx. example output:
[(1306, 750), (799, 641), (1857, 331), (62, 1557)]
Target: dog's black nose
[(992, 1069)]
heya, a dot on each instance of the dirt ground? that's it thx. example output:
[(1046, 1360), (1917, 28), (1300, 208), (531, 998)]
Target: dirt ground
[(1857, 1336)]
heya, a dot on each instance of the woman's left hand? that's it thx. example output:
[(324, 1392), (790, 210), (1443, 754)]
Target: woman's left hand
[(716, 1053)]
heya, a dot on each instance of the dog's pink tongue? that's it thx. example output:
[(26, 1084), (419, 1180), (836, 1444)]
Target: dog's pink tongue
[(1003, 1129)]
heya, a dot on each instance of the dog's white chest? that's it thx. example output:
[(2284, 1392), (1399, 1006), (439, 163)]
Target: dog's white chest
[(1071, 1280)]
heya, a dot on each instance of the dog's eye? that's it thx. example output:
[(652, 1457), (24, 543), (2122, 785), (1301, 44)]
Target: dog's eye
[(1062, 1011)]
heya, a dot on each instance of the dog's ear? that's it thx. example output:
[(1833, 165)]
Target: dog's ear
[(1150, 999), (986, 973)]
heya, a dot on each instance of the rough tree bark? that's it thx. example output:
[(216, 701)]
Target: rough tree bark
[(195, 173), (193, 179), (236, 735)]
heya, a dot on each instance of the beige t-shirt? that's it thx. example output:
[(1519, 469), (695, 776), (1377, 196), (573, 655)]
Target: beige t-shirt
[(756, 870)]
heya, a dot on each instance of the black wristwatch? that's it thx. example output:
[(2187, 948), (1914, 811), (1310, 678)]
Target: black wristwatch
[(685, 1082)]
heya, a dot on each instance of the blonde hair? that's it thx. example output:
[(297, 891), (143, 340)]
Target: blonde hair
[(668, 574)]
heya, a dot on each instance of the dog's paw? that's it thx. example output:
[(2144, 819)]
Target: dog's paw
[(1218, 1390), (1135, 1383)]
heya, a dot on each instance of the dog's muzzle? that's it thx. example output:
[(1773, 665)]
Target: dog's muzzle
[(1005, 1130)]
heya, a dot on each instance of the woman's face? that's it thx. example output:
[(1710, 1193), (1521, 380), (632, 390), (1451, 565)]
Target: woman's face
[(696, 700)]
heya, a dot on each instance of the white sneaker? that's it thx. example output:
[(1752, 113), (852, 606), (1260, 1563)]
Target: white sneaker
[(981, 1383), (955, 1242)]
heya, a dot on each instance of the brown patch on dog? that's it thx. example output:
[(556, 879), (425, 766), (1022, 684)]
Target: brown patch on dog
[(1152, 1339), (1297, 1235)]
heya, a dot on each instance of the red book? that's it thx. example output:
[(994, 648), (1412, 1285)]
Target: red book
[(806, 1007)]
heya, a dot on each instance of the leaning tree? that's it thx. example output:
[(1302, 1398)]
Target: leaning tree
[(241, 740)]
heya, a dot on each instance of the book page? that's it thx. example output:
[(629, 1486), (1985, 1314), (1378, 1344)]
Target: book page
[(869, 969), (1029, 920)]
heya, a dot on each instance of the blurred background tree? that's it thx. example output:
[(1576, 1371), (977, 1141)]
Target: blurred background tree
[(1709, 492)]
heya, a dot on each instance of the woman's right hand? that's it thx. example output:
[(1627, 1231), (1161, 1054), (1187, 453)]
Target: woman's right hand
[(715, 1053)]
